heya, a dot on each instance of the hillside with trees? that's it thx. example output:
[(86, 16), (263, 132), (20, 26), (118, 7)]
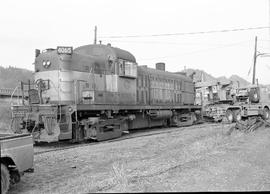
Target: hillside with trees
[(10, 77), (201, 75)]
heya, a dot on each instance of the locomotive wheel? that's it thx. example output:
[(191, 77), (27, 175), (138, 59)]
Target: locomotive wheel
[(266, 114), (194, 118), (229, 116), (237, 116), (5, 179), (124, 127), (165, 123)]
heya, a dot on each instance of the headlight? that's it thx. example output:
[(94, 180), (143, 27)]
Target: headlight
[(70, 109), (46, 64)]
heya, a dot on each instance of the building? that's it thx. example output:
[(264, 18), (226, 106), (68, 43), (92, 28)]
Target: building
[(10, 95)]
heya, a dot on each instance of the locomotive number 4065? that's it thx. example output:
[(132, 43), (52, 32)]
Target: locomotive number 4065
[(64, 50)]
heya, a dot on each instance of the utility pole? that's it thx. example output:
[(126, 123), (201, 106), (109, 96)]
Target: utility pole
[(95, 35), (254, 64), (269, 17)]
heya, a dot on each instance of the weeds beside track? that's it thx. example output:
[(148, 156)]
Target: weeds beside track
[(42, 148)]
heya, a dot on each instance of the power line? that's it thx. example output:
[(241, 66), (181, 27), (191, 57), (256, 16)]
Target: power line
[(197, 51), (169, 43), (190, 33)]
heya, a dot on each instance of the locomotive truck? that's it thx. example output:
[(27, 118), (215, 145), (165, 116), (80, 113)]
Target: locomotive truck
[(99, 92)]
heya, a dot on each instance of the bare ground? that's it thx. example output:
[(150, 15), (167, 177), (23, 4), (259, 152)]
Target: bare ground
[(188, 159)]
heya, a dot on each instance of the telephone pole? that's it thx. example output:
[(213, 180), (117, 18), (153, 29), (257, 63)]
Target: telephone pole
[(95, 35), (269, 17), (254, 64)]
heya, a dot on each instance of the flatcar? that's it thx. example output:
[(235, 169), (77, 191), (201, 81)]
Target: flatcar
[(99, 92)]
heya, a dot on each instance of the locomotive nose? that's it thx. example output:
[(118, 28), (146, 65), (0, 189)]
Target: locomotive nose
[(46, 64)]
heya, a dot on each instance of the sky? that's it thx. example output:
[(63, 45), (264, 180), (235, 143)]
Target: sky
[(34, 24)]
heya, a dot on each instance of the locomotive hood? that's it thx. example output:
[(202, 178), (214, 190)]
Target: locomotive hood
[(83, 58), (101, 51), (100, 58)]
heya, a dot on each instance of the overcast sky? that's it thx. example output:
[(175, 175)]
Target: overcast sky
[(30, 24)]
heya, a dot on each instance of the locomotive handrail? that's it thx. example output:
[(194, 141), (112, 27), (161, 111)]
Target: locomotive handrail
[(75, 95), (75, 98), (10, 102)]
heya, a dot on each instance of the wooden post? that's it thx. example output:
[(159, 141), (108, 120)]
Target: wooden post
[(22, 90), (254, 64), (95, 35)]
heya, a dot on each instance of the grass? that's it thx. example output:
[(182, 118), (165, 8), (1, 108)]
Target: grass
[(120, 177), (202, 159), (171, 157)]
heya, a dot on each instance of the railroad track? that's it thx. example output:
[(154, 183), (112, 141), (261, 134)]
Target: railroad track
[(58, 146)]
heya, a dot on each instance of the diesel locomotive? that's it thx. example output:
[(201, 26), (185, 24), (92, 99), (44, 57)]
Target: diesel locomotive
[(99, 92)]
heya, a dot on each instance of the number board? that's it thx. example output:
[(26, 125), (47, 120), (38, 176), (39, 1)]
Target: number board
[(65, 50)]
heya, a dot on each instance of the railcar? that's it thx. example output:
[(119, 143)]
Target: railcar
[(99, 92)]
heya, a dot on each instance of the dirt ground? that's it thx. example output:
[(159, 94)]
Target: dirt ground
[(185, 160)]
